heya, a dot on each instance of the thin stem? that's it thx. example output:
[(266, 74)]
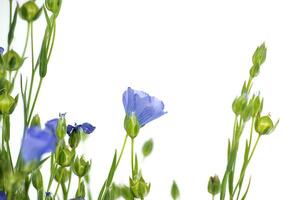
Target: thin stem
[(53, 171), (32, 71), (122, 150), (58, 184), (251, 131), (69, 184), (256, 143), (132, 156), (10, 157), (35, 100), (212, 197)]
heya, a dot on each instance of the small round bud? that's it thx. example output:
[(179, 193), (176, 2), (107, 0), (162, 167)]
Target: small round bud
[(264, 125), (81, 166), (74, 140), (64, 156), (139, 187), (29, 11), (12, 60), (257, 106), (239, 104), (259, 55), (62, 175), (54, 6), (7, 104), (214, 185), (37, 180), (131, 125), (35, 121), (61, 128)]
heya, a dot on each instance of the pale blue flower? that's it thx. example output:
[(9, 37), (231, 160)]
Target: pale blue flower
[(145, 107), (37, 142)]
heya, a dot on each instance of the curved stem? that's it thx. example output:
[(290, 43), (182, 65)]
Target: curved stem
[(32, 71), (69, 184), (132, 156), (35, 100), (58, 184), (122, 150)]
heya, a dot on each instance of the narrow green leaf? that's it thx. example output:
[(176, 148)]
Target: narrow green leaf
[(247, 190), (147, 147), (175, 192), (13, 26), (112, 170)]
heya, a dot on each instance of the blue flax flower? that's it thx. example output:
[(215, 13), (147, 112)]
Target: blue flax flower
[(2, 194), (1, 52), (85, 127), (145, 107), (37, 141)]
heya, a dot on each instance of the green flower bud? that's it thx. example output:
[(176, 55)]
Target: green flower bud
[(62, 175), (37, 180), (131, 125), (74, 140), (35, 121), (247, 113), (5, 85), (61, 129), (12, 60), (214, 185), (29, 11), (54, 6), (81, 166), (264, 125), (7, 104), (259, 55), (258, 58), (239, 104), (64, 156), (139, 187), (257, 106), (81, 192)]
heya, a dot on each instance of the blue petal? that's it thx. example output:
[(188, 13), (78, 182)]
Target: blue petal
[(128, 100), (70, 129), (153, 110), (51, 125), (3, 196), (87, 128), (36, 142), (1, 50), (146, 107)]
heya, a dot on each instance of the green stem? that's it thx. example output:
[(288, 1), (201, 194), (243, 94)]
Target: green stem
[(58, 184), (35, 100), (256, 143), (132, 156), (69, 184), (52, 174), (32, 71), (122, 150), (251, 132), (212, 197)]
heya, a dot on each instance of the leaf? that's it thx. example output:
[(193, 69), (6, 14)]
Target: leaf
[(13, 26), (175, 192), (147, 147), (112, 170), (247, 190)]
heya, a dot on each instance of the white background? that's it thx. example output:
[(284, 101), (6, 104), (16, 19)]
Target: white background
[(194, 55)]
